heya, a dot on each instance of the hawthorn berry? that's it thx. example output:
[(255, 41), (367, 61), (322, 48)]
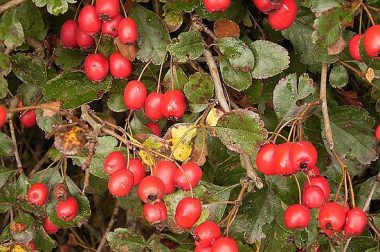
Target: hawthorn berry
[(313, 197), (166, 170), (297, 216), (313, 172), (200, 249), (190, 175), (173, 104), (265, 159), (67, 210), (121, 183), (120, 67), (303, 155), (154, 128), (96, 67), (37, 194), (356, 221), (216, 5), (114, 162), (31, 245), (134, 95), (88, 20), (107, 9), (49, 226), (83, 40), (206, 233), (138, 170), (322, 183), (68, 33), (284, 16), (354, 48), (188, 212), (267, 5), (127, 31), (371, 39), (109, 28), (152, 106), (155, 213), (331, 218), (3, 115), (28, 118), (281, 160), (224, 244), (151, 189), (377, 133)]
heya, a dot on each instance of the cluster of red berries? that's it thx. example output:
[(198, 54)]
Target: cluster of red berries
[(105, 17), (371, 40), (281, 13), (28, 118)]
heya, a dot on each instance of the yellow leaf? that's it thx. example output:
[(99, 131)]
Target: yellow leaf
[(4, 249), (146, 158), (18, 248), (183, 133), (182, 152), (213, 117)]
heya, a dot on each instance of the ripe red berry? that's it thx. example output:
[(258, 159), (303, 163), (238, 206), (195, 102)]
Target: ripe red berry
[(83, 39), (153, 104), (353, 47), (96, 67), (199, 249), (67, 210), (120, 183), (88, 20), (322, 183), (224, 244), (155, 213), (165, 170), (154, 128), (120, 67), (371, 41), (188, 212), (297, 216), (151, 189), (49, 226), (313, 172), (265, 159), (356, 221), (109, 28), (216, 5), (107, 9), (267, 5), (281, 160), (138, 170), (68, 32), (331, 218), (31, 245), (284, 16), (134, 95), (3, 115), (377, 133), (303, 155), (313, 197), (114, 162), (37, 194), (173, 104), (127, 31), (190, 175), (206, 233), (28, 118)]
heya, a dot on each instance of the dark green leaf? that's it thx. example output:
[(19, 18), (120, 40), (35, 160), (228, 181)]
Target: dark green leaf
[(338, 76), (199, 90), (179, 6), (179, 78), (31, 20), (238, 53), (115, 100), (6, 145), (69, 58), (47, 123), (5, 64), (5, 174), (29, 69), (234, 78), (3, 87), (190, 46), (122, 239), (54, 7), (28, 93), (11, 29)]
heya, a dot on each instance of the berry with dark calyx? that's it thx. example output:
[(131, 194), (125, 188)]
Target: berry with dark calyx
[(224, 244), (354, 48), (109, 28), (134, 95), (297, 216), (216, 5), (281, 161), (107, 9), (83, 40), (173, 104), (154, 128), (138, 170), (166, 170), (121, 183), (284, 16), (313, 197), (265, 159), (67, 210), (331, 218), (3, 115), (49, 226), (356, 221), (37, 194), (200, 249), (96, 67), (206, 233), (371, 39), (377, 133), (120, 67), (155, 213), (188, 212), (114, 162), (127, 31), (61, 192), (322, 183), (303, 155), (190, 175), (68, 33), (267, 5), (28, 118), (313, 172), (88, 20), (151, 189), (152, 106)]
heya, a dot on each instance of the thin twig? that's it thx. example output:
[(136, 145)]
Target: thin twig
[(10, 4), (325, 113), (13, 136), (359, 73), (110, 225)]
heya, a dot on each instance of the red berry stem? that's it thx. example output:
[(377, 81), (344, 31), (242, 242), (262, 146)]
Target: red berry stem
[(299, 189), (98, 43), (122, 6), (368, 13), (160, 73), (77, 10)]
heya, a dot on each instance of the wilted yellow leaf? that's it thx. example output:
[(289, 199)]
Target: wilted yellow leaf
[(146, 158), (18, 248), (181, 139), (213, 117), (182, 152), (4, 249)]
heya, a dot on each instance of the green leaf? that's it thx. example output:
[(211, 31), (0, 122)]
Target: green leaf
[(5, 64), (69, 58), (28, 93), (236, 12), (338, 76), (115, 100), (324, 5), (43, 241), (363, 189), (54, 7), (288, 92), (238, 53), (190, 46), (47, 123), (153, 36), (31, 21), (6, 174), (29, 69), (285, 188), (11, 29), (3, 87), (271, 59), (122, 239), (234, 78), (179, 78), (74, 89), (179, 6), (6, 145), (199, 90)]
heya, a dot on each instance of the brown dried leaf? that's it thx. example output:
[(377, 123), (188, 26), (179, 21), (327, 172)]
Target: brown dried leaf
[(370, 74), (50, 109), (338, 47), (129, 50), (226, 28)]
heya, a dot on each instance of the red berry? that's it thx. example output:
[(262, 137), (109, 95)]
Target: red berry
[(206, 233), (331, 217), (313, 197), (68, 32), (267, 5), (151, 189), (190, 175), (173, 104), (155, 213), (284, 16), (96, 67), (109, 28), (224, 244), (114, 162), (322, 183), (107, 9), (165, 170), (353, 47), (134, 95), (188, 212), (377, 133), (372, 41), (88, 20), (120, 67), (356, 221), (31, 245), (216, 5), (303, 155), (297, 216), (67, 210), (153, 104), (313, 172), (3, 115), (199, 249), (28, 118), (281, 160), (265, 159), (83, 39), (154, 128), (37, 194), (120, 183), (49, 226), (127, 31), (138, 170)]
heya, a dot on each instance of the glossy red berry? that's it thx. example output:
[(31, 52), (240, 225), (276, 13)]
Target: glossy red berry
[(356, 221), (331, 218), (107, 9), (200, 249), (206, 233), (109, 28), (155, 213), (224, 244), (322, 183), (190, 175), (28, 118), (151, 189), (88, 20), (216, 5), (313, 197), (173, 104), (377, 133), (127, 31), (153, 105), (303, 155), (265, 159), (354, 48), (96, 67), (154, 128), (3, 115), (188, 212), (114, 162), (134, 95), (138, 170), (297, 216), (165, 170), (281, 160), (267, 5), (37, 194), (284, 16), (49, 226), (371, 41), (120, 183), (31, 245), (120, 67), (67, 210), (83, 39), (68, 32)]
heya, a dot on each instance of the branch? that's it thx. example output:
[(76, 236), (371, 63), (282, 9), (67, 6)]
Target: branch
[(10, 4), (13, 136), (325, 113), (110, 225)]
